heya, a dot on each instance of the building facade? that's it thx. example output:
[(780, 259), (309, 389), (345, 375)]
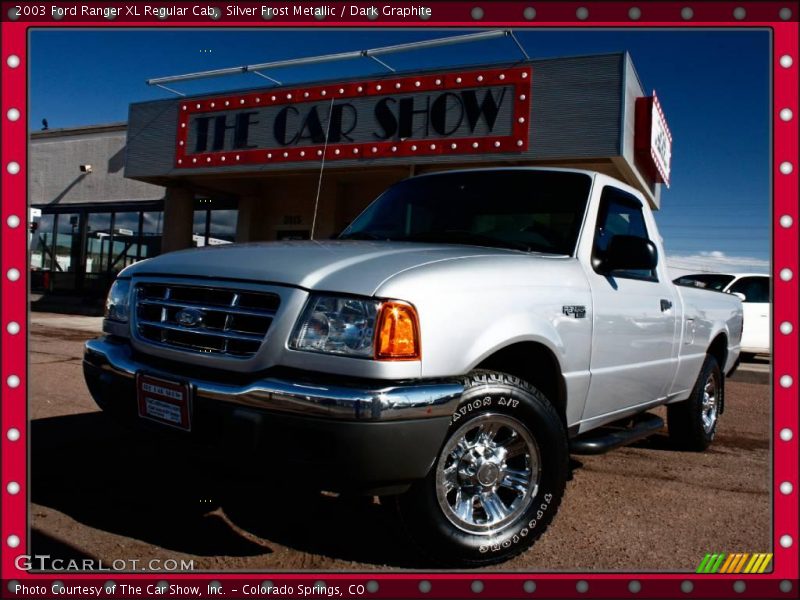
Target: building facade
[(301, 162)]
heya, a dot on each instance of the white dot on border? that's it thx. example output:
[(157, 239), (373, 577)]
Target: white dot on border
[(786, 488), (12, 381), (786, 274), (786, 114), (635, 13), (786, 434), (739, 13), (687, 13), (582, 587), (687, 587), (477, 13), (739, 586), (529, 586), (12, 114), (786, 328), (634, 587), (372, 586), (786, 167), (12, 541), (786, 381), (582, 13), (529, 13), (785, 586), (786, 61), (12, 221), (12, 488), (425, 586), (13, 274), (13, 167), (13, 328), (786, 221), (476, 587), (13, 61), (786, 541), (12, 434)]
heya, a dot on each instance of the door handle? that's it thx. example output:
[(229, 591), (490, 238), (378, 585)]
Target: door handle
[(665, 305)]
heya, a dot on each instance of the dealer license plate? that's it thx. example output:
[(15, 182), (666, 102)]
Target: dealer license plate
[(164, 401)]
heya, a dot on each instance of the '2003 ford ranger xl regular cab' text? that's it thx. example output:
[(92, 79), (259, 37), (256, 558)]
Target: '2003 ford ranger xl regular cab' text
[(450, 349)]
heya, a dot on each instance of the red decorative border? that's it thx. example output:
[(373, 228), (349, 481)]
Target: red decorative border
[(13, 464), (519, 77)]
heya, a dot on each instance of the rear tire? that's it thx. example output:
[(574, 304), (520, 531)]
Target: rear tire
[(693, 422), (498, 480)]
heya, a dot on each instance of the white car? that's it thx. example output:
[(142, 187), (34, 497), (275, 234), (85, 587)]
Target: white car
[(753, 289)]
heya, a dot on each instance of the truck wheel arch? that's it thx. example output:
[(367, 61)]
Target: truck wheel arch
[(536, 364), (719, 349)]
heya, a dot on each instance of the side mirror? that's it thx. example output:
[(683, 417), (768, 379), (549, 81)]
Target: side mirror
[(739, 295), (628, 253)]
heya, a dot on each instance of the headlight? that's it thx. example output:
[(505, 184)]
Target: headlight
[(347, 326), (117, 301)]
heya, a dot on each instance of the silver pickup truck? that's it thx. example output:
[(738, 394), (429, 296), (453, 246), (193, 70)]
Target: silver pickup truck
[(447, 352)]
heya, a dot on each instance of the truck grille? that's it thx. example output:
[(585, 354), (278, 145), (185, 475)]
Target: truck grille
[(208, 320)]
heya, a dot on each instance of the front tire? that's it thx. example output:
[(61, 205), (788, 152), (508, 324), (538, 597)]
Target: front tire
[(693, 422), (498, 479)]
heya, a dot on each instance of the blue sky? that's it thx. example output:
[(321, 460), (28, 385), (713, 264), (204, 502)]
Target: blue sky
[(714, 87)]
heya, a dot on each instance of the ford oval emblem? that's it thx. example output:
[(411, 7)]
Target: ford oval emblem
[(189, 317)]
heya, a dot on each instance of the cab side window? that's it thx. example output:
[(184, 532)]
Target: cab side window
[(620, 214), (755, 289)]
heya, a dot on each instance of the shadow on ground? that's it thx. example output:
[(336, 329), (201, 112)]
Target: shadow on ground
[(137, 484)]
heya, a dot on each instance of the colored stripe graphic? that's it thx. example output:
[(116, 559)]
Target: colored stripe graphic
[(703, 563), (710, 563), (751, 562), (753, 568), (740, 564), (736, 562), (718, 564), (765, 564), (727, 563)]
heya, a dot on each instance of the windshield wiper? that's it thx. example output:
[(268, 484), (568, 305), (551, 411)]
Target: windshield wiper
[(467, 238), (362, 235)]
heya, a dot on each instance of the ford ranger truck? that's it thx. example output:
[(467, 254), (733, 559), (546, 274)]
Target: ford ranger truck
[(447, 352)]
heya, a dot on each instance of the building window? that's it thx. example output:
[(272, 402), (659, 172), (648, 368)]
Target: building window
[(222, 226), (214, 223), (98, 242), (67, 242), (42, 244), (85, 250), (151, 234), (125, 240)]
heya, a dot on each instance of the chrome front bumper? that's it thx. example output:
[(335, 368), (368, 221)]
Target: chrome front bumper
[(378, 402)]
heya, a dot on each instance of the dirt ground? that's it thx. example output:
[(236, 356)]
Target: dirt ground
[(103, 492)]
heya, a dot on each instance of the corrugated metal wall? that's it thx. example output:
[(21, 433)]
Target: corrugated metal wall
[(55, 177)]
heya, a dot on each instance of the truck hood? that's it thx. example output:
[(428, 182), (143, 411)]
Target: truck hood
[(353, 267)]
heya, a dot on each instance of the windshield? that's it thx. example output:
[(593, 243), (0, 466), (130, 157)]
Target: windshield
[(521, 209), (707, 281)]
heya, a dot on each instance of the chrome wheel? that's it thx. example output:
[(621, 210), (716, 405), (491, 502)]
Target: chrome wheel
[(709, 409), (488, 474)]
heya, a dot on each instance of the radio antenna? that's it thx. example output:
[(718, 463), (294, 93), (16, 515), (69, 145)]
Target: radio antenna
[(321, 169)]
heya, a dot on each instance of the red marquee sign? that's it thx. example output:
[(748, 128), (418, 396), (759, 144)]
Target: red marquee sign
[(469, 112), (652, 140)]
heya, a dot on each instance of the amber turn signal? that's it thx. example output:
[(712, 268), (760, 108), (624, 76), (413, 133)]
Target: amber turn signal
[(398, 332)]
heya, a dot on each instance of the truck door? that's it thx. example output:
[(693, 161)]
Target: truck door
[(632, 360)]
